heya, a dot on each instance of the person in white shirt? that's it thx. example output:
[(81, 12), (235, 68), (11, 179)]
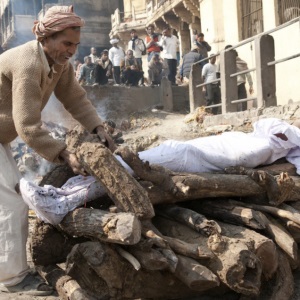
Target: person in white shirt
[(116, 55), (169, 42), (209, 74)]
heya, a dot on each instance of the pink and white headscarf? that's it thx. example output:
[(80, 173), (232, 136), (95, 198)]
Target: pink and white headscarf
[(57, 18)]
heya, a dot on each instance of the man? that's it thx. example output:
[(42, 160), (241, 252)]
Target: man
[(203, 46), (87, 76), (155, 68), (169, 42), (209, 73), (93, 55), (25, 88), (131, 74), (116, 55), (138, 46), (188, 60), (103, 68), (241, 65), (152, 42)]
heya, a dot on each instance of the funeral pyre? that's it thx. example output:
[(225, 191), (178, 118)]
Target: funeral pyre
[(230, 234)]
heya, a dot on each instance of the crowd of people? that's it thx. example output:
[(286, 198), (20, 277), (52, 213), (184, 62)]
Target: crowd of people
[(126, 67)]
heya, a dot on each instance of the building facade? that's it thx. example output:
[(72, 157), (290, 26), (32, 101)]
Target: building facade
[(223, 22), (17, 19)]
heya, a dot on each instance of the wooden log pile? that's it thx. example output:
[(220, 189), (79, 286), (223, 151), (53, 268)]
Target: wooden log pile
[(174, 235)]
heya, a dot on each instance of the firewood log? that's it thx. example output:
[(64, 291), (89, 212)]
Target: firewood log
[(194, 275), (121, 228), (190, 218), (121, 187), (232, 212), (237, 266), (263, 247), (93, 262), (278, 187), (66, 287)]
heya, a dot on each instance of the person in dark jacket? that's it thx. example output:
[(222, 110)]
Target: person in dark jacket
[(188, 60), (103, 68), (203, 46)]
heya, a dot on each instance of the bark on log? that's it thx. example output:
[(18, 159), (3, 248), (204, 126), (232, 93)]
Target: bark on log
[(122, 188), (277, 168), (237, 266), (116, 276), (120, 228), (190, 218), (66, 287), (263, 247), (48, 245), (278, 188), (194, 275), (232, 212)]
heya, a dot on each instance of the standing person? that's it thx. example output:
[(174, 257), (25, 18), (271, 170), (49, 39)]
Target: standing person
[(213, 94), (188, 60), (169, 42), (103, 68), (194, 37), (93, 55), (203, 46), (241, 65), (77, 66), (87, 76), (155, 68), (152, 42), (138, 46), (25, 89), (116, 55)]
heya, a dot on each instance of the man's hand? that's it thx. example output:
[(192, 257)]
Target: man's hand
[(73, 162), (105, 139)]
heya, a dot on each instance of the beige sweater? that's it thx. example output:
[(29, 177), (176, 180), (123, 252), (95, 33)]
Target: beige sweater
[(25, 88)]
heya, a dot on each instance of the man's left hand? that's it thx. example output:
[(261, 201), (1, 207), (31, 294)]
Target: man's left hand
[(105, 139)]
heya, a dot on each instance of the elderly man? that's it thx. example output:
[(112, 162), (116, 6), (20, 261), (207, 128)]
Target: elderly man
[(25, 88)]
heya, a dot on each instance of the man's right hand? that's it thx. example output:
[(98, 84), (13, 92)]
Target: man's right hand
[(73, 162)]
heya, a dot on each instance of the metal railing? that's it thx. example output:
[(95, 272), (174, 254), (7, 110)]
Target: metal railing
[(265, 73)]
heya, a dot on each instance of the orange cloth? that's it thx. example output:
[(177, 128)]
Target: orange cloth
[(57, 18)]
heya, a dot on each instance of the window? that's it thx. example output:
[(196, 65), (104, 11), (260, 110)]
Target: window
[(251, 17), (288, 10)]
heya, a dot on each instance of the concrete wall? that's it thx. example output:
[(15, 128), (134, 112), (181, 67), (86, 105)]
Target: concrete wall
[(117, 103)]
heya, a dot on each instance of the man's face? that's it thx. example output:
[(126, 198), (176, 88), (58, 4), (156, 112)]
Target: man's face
[(213, 60), (166, 32), (88, 61), (133, 34), (150, 30), (104, 56), (200, 38), (129, 54), (93, 51), (61, 47)]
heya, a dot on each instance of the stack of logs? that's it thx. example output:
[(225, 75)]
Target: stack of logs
[(230, 233)]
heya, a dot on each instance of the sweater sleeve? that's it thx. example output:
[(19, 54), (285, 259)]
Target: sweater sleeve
[(26, 112)]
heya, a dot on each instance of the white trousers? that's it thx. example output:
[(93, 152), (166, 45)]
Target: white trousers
[(13, 222)]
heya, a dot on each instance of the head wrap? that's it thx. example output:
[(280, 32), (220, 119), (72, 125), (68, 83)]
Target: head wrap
[(56, 19), (114, 41)]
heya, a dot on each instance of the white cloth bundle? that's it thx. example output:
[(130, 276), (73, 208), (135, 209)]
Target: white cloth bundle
[(52, 204)]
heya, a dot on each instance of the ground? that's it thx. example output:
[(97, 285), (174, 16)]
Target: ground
[(146, 130)]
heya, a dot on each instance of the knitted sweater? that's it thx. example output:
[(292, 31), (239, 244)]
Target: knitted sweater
[(25, 88)]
